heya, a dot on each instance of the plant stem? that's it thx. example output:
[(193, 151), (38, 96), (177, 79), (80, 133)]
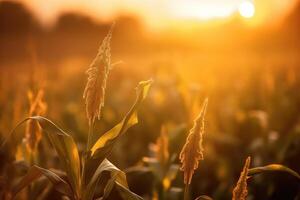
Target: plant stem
[(85, 157), (186, 192), (90, 136)]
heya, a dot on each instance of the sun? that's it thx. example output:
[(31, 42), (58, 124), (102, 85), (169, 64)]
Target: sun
[(246, 9)]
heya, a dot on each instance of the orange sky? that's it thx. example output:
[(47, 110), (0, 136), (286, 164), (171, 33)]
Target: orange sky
[(159, 12)]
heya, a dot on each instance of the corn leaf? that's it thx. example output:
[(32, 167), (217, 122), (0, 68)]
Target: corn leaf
[(109, 138), (115, 174), (125, 193), (272, 167), (65, 147), (104, 144), (35, 172), (116, 181), (203, 197)]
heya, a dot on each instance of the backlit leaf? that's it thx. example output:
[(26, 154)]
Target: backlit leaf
[(65, 147), (129, 120), (272, 167), (115, 174), (105, 143)]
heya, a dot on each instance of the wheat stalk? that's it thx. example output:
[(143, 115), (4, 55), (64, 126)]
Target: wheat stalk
[(192, 150), (240, 191)]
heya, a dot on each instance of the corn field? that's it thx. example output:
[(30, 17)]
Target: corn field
[(96, 128)]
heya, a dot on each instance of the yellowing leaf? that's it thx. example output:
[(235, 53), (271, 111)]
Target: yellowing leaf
[(114, 132), (129, 120)]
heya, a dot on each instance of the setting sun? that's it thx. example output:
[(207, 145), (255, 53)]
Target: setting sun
[(163, 99), (157, 12), (247, 9)]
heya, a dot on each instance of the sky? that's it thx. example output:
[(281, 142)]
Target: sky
[(161, 12)]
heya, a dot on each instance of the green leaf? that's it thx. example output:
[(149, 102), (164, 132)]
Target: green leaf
[(109, 138), (272, 167), (35, 172), (65, 147)]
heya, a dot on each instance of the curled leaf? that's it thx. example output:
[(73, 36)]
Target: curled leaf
[(116, 175), (271, 168), (108, 138), (105, 143)]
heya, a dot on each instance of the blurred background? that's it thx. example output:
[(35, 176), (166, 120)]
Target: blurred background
[(241, 54)]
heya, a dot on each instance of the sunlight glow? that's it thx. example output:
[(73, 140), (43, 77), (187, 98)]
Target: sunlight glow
[(247, 9), (201, 10), (162, 12)]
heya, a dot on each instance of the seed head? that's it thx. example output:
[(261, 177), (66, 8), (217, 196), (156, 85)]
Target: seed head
[(192, 150), (240, 191), (98, 71)]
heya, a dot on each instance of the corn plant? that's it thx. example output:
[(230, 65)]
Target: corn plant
[(163, 167), (90, 174), (192, 152)]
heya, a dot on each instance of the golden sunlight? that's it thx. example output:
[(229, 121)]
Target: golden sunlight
[(247, 9), (157, 12)]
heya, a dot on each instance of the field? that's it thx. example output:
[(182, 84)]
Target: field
[(111, 111)]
